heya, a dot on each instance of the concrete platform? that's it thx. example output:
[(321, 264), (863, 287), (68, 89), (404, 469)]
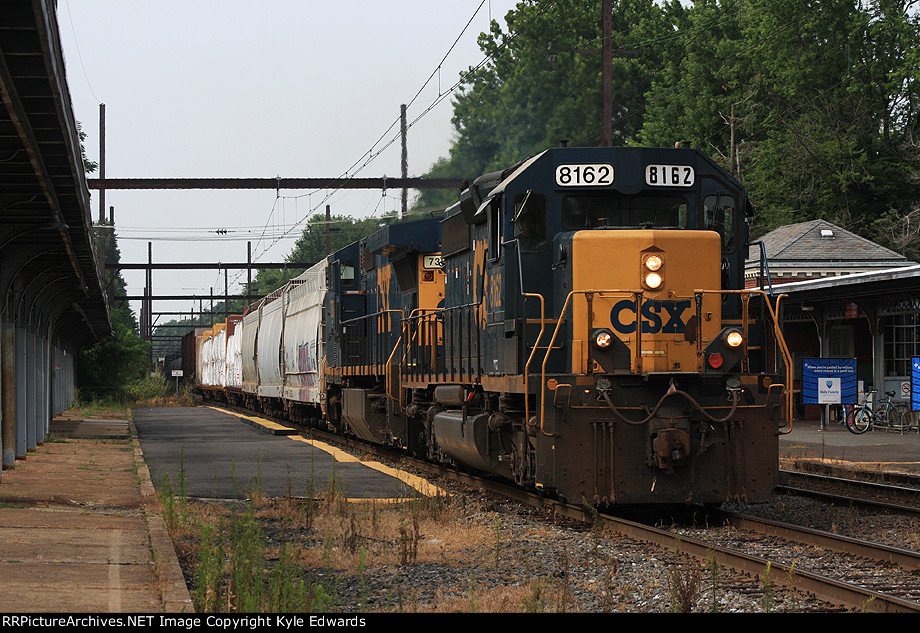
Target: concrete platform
[(833, 444), (80, 530), (224, 455)]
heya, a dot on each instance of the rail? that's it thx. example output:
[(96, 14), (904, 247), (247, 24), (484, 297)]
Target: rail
[(777, 335), (764, 266), (542, 321)]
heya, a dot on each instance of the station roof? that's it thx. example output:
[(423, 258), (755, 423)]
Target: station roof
[(49, 272), (890, 282), (819, 243)]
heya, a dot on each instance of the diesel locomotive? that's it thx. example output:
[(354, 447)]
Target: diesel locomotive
[(577, 324)]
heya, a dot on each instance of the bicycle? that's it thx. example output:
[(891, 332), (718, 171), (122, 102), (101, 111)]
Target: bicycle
[(885, 414)]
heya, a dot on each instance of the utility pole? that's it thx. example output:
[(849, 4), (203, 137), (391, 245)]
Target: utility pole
[(405, 158), (102, 161), (148, 298), (731, 150), (328, 234), (607, 53), (607, 72)]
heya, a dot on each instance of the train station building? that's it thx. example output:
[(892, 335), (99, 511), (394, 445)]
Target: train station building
[(845, 297)]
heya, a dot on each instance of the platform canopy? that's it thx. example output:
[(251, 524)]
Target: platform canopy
[(50, 275)]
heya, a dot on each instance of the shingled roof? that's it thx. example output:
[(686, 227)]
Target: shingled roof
[(818, 248)]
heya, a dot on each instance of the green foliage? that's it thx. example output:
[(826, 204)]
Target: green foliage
[(822, 99), (113, 362), (310, 248), (813, 106), (542, 83)]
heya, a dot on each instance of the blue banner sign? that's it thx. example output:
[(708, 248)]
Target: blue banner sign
[(829, 381), (915, 384)]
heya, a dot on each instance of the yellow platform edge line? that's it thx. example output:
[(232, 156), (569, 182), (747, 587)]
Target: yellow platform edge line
[(424, 487), (262, 421)]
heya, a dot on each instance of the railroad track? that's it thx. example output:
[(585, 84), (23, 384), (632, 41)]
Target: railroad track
[(877, 594), (892, 497)]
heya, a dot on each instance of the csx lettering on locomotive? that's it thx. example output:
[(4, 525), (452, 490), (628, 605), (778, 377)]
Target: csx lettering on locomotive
[(665, 317)]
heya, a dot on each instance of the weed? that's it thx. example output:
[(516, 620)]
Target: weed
[(714, 582), (498, 542), (208, 593), (409, 536), (473, 604), (684, 586), (535, 599), (768, 601)]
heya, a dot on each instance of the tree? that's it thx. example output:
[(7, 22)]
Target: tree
[(821, 97), (114, 361), (541, 83), (309, 248)]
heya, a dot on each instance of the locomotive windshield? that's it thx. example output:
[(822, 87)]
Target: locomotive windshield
[(616, 210), (718, 215)]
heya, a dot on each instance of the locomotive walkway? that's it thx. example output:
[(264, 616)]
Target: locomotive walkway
[(81, 532)]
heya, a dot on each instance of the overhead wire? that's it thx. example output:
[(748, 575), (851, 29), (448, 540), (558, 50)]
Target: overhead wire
[(370, 155)]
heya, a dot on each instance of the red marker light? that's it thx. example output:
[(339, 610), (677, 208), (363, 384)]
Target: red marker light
[(715, 360)]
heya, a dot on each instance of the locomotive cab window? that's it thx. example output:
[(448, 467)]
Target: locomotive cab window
[(718, 216), (347, 274), (642, 211), (530, 222), (495, 228)]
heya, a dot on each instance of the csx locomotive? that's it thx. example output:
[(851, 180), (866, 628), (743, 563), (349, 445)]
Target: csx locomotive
[(576, 323)]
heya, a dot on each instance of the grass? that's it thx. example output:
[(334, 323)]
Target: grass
[(152, 391), (325, 553)]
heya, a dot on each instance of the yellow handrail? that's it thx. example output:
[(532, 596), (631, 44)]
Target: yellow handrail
[(787, 356), (532, 352), (635, 293)]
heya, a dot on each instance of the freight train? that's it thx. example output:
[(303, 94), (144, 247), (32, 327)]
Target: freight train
[(576, 324)]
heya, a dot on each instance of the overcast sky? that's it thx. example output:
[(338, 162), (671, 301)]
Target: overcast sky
[(289, 88)]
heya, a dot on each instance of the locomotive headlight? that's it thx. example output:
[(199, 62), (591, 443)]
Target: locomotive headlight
[(653, 280), (734, 338), (653, 262), (603, 338)]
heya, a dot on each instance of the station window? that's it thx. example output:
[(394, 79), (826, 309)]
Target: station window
[(901, 342)]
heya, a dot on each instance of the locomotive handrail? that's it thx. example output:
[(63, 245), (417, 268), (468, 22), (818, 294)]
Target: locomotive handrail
[(777, 331), (448, 312), (387, 384), (525, 295), (533, 352), (635, 293), (387, 370), (367, 318), (639, 296), (764, 266), (417, 314)]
